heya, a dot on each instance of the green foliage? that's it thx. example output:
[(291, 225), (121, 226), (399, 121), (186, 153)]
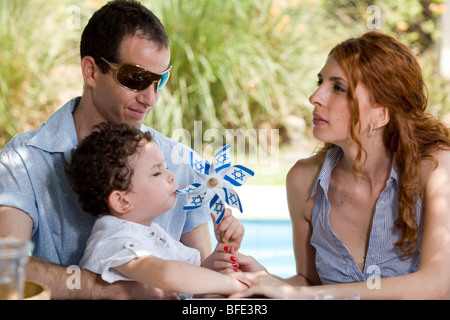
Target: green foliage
[(33, 46), (236, 64), (411, 21)]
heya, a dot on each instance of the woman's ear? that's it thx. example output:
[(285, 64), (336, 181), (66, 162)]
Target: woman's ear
[(119, 202), (89, 70), (380, 117)]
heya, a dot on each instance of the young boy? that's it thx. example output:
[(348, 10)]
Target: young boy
[(118, 173)]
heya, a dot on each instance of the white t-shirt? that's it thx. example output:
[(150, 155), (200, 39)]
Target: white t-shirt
[(115, 241)]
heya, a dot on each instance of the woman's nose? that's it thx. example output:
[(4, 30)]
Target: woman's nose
[(314, 99)]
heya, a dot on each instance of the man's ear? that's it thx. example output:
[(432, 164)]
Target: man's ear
[(119, 202), (89, 70)]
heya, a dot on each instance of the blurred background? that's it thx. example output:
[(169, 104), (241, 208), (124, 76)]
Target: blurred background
[(237, 64), (247, 65)]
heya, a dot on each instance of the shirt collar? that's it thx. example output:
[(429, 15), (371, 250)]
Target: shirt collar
[(331, 160), (58, 133)]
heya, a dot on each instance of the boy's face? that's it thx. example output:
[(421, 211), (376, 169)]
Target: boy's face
[(152, 186)]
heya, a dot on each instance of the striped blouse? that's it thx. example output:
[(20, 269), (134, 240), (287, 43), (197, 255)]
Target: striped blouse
[(333, 261)]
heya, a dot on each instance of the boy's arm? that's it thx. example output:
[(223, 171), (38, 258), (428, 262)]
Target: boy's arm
[(179, 276), (199, 238)]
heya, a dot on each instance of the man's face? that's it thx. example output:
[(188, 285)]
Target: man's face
[(117, 104)]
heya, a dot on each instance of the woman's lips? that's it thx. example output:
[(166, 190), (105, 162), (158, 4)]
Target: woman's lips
[(318, 120)]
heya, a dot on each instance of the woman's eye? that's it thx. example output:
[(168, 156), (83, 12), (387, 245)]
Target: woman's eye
[(319, 81), (339, 88)]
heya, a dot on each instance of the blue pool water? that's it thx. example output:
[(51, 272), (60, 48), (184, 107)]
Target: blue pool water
[(269, 242)]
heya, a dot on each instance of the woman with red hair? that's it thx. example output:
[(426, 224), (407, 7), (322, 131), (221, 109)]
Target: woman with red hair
[(371, 210)]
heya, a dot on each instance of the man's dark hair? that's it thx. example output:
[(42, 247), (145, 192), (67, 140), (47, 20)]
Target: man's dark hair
[(108, 26), (100, 164)]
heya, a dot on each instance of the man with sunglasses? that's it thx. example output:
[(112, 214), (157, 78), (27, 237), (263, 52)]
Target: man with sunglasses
[(125, 64)]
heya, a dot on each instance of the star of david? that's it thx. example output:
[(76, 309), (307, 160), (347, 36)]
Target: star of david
[(197, 200), (218, 207), (190, 189), (233, 199), (199, 165), (238, 175), (222, 158)]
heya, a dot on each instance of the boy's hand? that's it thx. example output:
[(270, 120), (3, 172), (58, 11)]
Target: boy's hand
[(230, 231)]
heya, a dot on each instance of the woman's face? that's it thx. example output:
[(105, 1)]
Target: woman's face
[(331, 114)]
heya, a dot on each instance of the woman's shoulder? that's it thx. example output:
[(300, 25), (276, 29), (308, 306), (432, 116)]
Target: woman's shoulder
[(440, 158), (306, 169), (302, 177), (435, 168)]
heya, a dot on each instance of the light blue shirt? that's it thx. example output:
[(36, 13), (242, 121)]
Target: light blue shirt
[(334, 263), (33, 180)]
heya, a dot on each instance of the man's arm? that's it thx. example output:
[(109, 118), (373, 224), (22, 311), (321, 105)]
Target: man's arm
[(85, 285), (15, 223)]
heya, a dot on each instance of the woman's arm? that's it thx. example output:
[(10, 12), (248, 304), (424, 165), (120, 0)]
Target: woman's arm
[(179, 276), (430, 281), (300, 182)]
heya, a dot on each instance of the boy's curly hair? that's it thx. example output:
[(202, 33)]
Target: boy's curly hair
[(100, 164)]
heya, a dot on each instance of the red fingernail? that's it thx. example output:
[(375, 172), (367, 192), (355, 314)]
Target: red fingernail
[(233, 258), (234, 264), (226, 248), (235, 270)]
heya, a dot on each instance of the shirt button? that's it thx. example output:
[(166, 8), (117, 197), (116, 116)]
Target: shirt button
[(129, 245), (151, 233)]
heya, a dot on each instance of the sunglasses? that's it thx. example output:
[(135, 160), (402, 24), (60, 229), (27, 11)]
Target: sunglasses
[(138, 78)]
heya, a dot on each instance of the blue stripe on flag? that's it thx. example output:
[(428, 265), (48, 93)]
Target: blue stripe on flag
[(247, 170), (232, 181), (218, 208), (222, 159), (232, 199)]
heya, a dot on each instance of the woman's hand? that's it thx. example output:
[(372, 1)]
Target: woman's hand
[(262, 283)]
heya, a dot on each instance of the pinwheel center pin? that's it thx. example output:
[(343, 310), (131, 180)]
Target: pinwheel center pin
[(212, 182)]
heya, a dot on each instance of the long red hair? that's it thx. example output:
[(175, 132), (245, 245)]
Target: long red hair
[(394, 80)]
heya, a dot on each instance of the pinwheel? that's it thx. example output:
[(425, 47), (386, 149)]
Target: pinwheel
[(217, 182)]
